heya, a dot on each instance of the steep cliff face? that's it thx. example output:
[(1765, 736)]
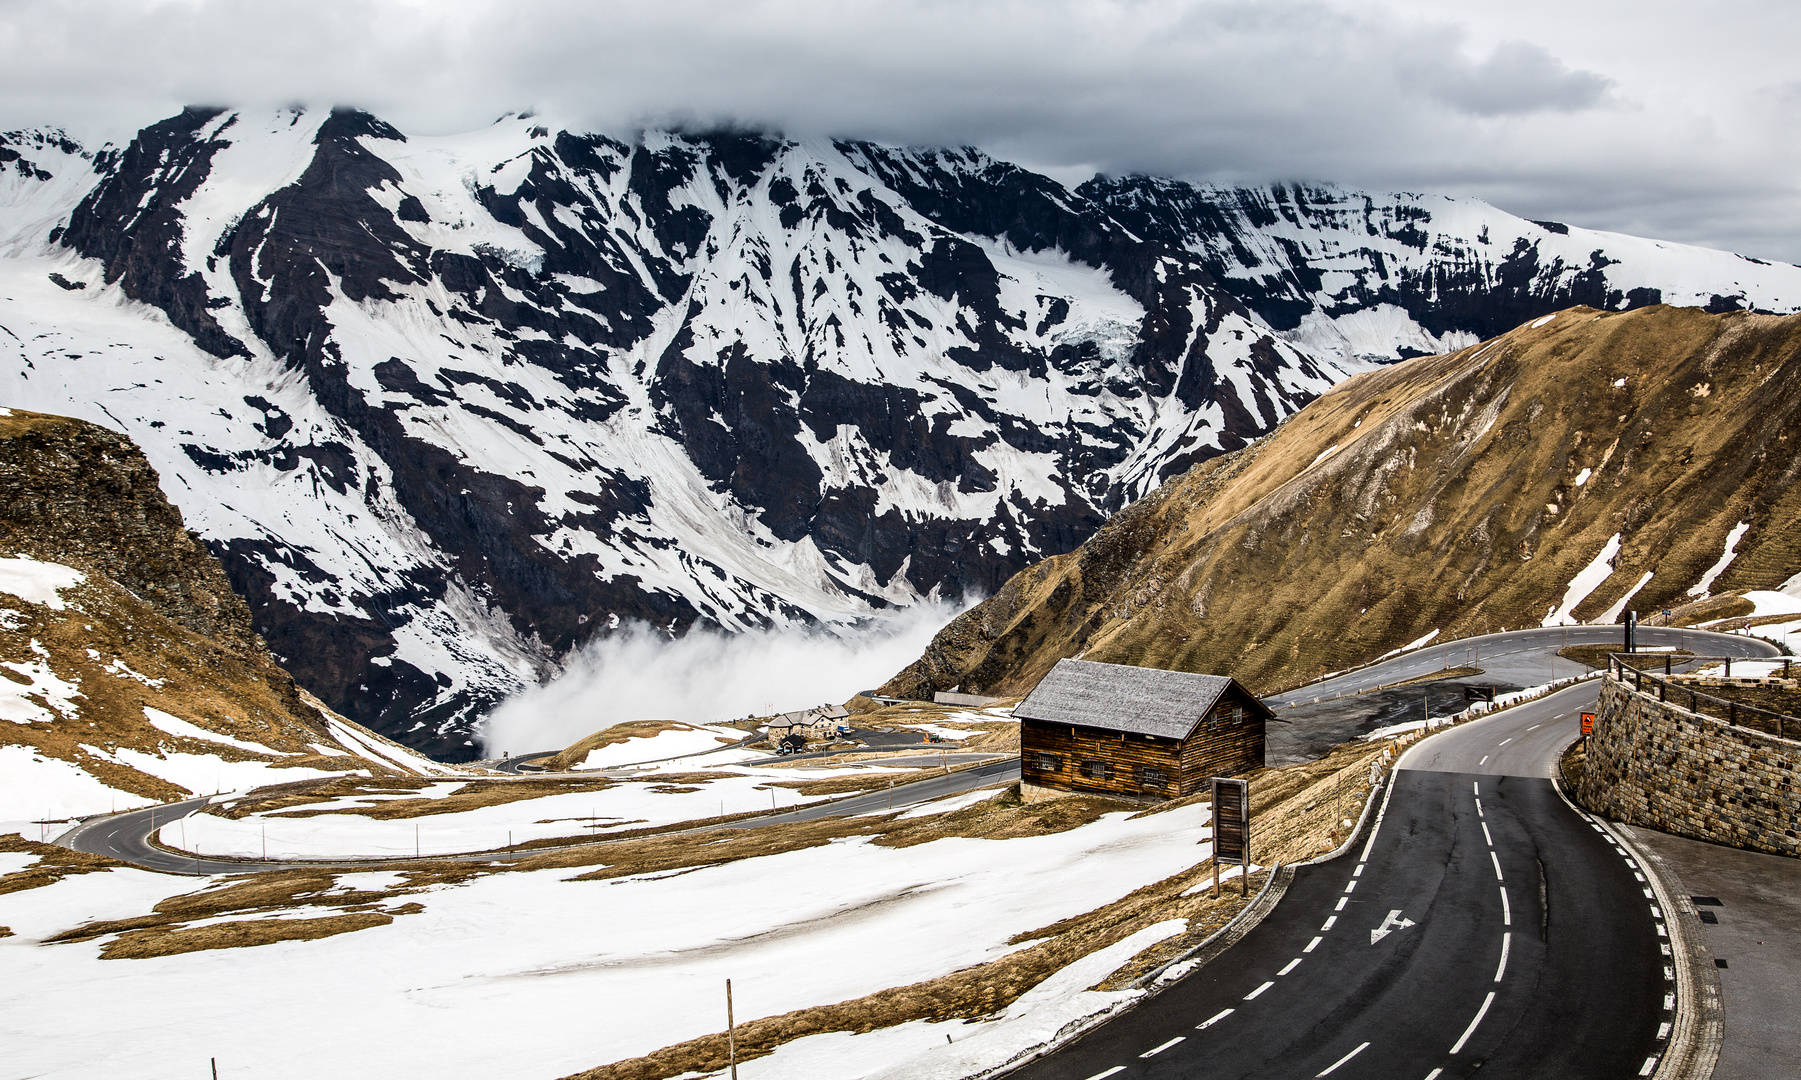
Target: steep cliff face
[(129, 671), (1581, 464), (449, 407), (1382, 275)]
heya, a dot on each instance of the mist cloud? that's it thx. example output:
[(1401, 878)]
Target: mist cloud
[(1610, 114), (642, 674)]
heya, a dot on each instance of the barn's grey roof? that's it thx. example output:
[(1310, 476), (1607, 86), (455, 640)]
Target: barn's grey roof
[(1117, 697)]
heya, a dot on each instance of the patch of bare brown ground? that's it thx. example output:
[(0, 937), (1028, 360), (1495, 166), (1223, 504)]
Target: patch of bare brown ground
[(167, 931), (473, 795), (53, 864)]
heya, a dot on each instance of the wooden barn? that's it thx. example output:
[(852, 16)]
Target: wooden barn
[(1138, 733)]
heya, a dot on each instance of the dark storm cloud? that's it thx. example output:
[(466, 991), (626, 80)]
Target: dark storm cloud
[(1518, 77), (1650, 116)]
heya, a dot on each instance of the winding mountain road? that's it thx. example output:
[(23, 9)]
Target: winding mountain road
[(126, 836), (1485, 928)]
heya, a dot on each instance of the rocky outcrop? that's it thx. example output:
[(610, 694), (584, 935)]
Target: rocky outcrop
[(124, 653), (81, 495)]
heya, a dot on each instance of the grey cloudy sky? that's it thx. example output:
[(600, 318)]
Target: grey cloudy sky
[(1671, 119)]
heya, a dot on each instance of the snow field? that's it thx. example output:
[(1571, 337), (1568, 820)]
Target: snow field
[(574, 974), (38, 582), (664, 744), (629, 804), (917, 1050)]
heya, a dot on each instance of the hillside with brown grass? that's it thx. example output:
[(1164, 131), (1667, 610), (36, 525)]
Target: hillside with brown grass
[(149, 623), (1458, 493)]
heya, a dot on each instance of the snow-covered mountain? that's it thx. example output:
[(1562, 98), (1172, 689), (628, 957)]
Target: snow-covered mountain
[(446, 407), (1351, 275)]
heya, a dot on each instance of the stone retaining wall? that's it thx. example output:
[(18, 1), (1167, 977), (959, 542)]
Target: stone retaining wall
[(1659, 765)]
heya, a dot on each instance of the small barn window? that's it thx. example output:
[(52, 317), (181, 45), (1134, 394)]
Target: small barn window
[(1097, 770), (1152, 778), (1044, 762), (1238, 714)]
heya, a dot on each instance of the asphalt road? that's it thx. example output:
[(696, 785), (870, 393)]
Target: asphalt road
[(1519, 657), (126, 836), (1484, 928), (1318, 717)]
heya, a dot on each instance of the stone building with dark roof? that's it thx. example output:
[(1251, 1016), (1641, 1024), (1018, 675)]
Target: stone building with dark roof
[(1137, 733)]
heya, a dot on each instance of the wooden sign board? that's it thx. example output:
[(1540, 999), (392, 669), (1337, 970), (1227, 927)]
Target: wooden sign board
[(1231, 828), (1588, 723)]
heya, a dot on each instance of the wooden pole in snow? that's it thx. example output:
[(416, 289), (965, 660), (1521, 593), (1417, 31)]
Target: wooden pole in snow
[(731, 1032)]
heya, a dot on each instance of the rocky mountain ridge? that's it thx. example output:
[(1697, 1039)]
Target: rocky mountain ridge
[(446, 408), (1350, 275)]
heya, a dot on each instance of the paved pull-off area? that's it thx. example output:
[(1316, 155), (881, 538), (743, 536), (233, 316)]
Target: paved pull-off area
[(1750, 905)]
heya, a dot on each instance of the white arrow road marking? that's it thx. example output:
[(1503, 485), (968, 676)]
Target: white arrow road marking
[(1390, 925)]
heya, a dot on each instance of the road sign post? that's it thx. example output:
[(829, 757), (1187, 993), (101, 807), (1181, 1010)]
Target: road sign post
[(1588, 724), (1232, 829), (731, 1032)]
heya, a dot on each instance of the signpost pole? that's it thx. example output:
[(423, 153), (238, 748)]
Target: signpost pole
[(731, 1032)]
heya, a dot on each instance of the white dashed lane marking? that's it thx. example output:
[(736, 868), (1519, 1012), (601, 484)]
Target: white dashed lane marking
[(1214, 1019), (1155, 1050), (1506, 940), (1486, 835), (1330, 919), (1327, 1071), (1506, 908), (1497, 860), (1471, 1030), (1311, 945), (1252, 996), (1292, 964), (1109, 1072)]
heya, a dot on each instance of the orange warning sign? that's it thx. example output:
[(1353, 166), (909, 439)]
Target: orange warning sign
[(1588, 723)]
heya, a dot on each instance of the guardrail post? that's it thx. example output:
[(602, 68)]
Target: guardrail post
[(1732, 713), (1729, 667)]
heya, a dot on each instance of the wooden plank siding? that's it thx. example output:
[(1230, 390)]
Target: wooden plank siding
[(1224, 744)]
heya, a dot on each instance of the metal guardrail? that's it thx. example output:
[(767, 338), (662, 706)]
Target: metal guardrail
[(1625, 668)]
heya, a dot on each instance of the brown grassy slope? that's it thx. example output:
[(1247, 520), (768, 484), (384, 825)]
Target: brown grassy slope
[(577, 752), (155, 624), (1450, 503)]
